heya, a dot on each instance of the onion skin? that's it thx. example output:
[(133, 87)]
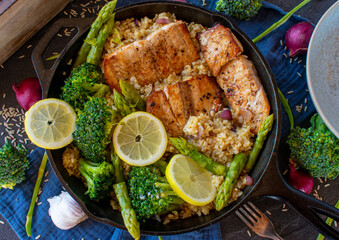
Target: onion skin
[(28, 92), (249, 180), (300, 180), (226, 114), (137, 23), (163, 21), (298, 37)]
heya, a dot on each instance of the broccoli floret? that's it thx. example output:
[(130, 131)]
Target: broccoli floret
[(150, 193), (241, 9), (99, 178), (315, 149), (93, 129), (84, 82), (13, 163)]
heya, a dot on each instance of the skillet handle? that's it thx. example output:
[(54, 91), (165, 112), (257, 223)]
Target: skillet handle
[(307, 206), (45, 74)]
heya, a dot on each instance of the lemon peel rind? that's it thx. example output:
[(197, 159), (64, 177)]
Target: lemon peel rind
[(178, 189), (43, 144), (155, 157)]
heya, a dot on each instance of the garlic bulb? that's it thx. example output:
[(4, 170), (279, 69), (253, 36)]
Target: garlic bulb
[(65, 212)]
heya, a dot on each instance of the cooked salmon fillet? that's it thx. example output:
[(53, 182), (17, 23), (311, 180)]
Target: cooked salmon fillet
[(167, 50), (244, 91), (157, 104), (179, 101), (219, 45)]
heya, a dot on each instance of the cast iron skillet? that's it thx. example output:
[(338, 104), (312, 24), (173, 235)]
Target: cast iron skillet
[(266, 173)]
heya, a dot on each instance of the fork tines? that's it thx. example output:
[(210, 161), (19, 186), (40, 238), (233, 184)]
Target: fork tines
[(257, 221), (249, 217)]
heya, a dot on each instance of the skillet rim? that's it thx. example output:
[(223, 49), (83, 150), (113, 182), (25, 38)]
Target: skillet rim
[(275, 131)]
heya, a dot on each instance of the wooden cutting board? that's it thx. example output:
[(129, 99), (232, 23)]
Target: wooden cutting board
[(21, 19)]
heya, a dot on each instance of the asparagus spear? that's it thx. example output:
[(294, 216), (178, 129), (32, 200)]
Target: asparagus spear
[(287, 108), (264, 129), (188, 149), (94, 54), (132, 95), (161, 165), (127, 212), (122, 104), (35, 194), (225, 191), (120, 189), (118, 172), (103, 16)]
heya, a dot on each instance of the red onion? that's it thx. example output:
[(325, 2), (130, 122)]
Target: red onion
[(28, 92), (300, 180), (298, 37), (137, 23), (244, 115), (163, 21), (226, 114), (198, 135), (249, 180)]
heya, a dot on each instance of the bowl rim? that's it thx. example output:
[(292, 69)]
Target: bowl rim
[(311, 87)]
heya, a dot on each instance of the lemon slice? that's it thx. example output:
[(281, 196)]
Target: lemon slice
[(49, 123), (140, 139), (190, 181)]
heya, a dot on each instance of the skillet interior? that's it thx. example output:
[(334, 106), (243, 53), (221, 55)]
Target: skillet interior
[(102, 211)]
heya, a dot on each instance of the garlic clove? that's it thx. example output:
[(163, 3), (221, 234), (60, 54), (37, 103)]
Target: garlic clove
[(65, 212)]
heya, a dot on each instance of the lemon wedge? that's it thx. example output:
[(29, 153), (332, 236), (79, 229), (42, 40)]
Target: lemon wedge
[(140, 139), (190, 181), (49, 123)]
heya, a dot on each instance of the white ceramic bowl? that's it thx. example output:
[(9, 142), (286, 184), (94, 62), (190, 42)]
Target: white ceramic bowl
[(323, 67)]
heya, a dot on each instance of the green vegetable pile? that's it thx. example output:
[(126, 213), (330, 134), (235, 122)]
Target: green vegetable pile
[(13, 163), (99, 178), (241, 9), (84, 82), (150, 192), (93, 129), (315, 149)]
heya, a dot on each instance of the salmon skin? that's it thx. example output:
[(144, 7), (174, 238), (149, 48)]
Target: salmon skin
[(167, 50), (219, 45), (177, 102), (244, 91)]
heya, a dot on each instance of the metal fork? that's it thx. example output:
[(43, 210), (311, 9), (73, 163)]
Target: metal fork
[(257, 221)]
